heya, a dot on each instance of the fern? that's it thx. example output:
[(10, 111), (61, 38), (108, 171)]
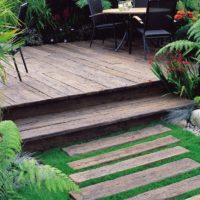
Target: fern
[(186, 46), (36, 175), (181, 45), (10, 143), (82, 3), (194, 32), (18, 170)]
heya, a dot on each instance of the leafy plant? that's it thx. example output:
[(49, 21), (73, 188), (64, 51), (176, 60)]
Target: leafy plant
[(188, 13), (39, 15), (83, 3), (197, 101), (190, 47), (179, 76), (8, 32), (187, 81), (17, 170)]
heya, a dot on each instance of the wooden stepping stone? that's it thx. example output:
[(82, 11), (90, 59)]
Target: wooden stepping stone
[(121, 153), (135, 180), (197, 197), (115, 140), (172, 191), (127, 164)]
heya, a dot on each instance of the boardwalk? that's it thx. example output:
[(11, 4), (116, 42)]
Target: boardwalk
[(73, 68)]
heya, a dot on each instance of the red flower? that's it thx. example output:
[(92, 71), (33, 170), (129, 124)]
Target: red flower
[(57, 17), (66, 14)]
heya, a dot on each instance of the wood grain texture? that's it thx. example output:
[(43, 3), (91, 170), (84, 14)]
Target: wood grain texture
[(128, 164), (70, 69), (121, 153), (171, 191), (115, 140), (138, 179), (96, 116), (195, 179)]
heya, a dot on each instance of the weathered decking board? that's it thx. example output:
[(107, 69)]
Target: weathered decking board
[(70, 69), (121, 153), (115, 140), (127, 164), (172, 191), (135, 180), (196, 197), (95, 116)]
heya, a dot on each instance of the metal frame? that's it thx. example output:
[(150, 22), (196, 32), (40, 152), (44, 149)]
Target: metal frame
[(21, 18)]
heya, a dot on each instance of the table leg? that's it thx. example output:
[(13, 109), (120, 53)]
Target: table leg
[(125, 37), (130, 33)]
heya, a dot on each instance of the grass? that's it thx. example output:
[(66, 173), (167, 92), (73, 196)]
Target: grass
[(57, 158)]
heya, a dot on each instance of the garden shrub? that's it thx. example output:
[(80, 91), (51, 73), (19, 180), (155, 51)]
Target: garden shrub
[(180, 72), (188, 12), (21, 170)]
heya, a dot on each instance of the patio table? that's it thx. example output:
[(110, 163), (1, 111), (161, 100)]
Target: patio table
[(130, 13)]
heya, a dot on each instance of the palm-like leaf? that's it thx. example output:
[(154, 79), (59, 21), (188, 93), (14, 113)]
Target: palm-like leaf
[(186, 46), (10, 143)]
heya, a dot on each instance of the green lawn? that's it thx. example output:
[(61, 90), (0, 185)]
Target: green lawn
[(57, 158)]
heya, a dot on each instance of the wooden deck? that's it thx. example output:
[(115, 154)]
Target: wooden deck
[(62, 70)]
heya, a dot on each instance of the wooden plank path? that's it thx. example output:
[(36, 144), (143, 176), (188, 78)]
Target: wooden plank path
[(115, 140), (196, 197), (171, 191), (127, 164), (122, 153), (138, 179)]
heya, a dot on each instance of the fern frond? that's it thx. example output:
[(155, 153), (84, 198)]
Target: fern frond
[(194, 31), (10, 141), (35, 174), (181, 45)]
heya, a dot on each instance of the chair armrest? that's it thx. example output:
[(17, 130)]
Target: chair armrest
[(95, 15), (138, 19)]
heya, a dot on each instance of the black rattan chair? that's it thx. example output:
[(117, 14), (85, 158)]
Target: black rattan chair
[(21, 18), (158, 21), (100, 21), (140, 3)]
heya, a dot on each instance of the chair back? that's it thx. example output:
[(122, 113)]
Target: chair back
[(160, 14), (95, 7), (141, 3), (22, 15)]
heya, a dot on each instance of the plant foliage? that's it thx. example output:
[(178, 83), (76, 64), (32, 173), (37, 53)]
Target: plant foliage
[(187, 81), (18, 170), (83, 3), (8, 32)]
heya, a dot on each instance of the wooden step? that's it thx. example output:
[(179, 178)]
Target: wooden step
[(115, 140), (171, 191), (60, 128), (82, 100), (196, 197), (127, 164), (122, 153), (138, 179)]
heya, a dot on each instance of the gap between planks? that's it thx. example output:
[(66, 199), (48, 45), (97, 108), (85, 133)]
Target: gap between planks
[(172, 191), (122, 153), (115, 140), (128, 164), (131, 181)]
